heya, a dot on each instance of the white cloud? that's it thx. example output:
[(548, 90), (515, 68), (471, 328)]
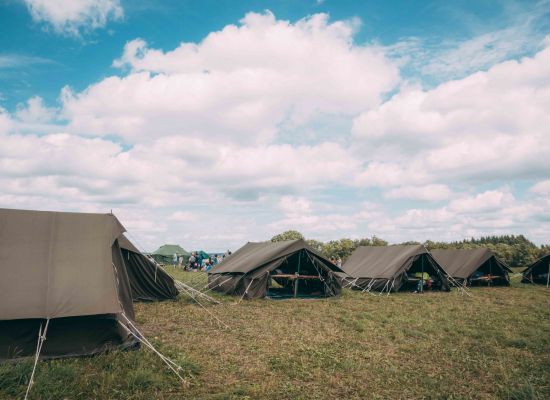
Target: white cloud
[(520, 31), (491, 125), (182, 216), (434, 192), (71, 17), (239, 84), (541, 188), (202, 142), (35, 111)]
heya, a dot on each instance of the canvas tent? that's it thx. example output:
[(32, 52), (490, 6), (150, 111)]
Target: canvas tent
[(63, 271), (165, 253), (393, 268), (538, 272), (477, 266), (148, 282), (277, 270)]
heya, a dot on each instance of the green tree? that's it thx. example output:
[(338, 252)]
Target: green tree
[(287, 235)]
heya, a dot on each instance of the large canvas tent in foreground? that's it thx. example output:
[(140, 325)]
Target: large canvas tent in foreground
[(276, 269), (473, 266), (538, 272), (148, 282), (393, 268), (63, 272), (165, 253)]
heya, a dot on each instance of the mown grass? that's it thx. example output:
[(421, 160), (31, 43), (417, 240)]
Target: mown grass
[(492, 345)]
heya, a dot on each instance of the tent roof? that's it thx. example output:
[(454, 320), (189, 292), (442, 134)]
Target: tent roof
[(125, 243), (461, 263), (168, 250), (539, 263), (381, 262), (253, 255), (57, 264)]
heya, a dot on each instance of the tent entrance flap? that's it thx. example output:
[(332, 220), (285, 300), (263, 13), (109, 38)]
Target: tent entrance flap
[(297, 276), (423, 275), (489, 274)]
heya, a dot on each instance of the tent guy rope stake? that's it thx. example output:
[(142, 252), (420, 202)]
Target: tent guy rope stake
[(39, 344)]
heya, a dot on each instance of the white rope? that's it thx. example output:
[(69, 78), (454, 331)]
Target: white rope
[(319, 273), (212, 288), (172, 365), (192, 292), (384, 288), (246, 291), (39, 344), (210, 283), (369, 285), (197, 278), (351, 283), (212, 314), (391, 288)]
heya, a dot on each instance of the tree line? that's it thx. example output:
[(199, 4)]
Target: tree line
[(514, 250)]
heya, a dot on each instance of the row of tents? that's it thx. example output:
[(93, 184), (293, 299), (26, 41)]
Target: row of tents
[(294, 269), (73, 278)]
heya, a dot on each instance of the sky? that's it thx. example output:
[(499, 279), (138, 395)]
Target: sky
[(213, 123)]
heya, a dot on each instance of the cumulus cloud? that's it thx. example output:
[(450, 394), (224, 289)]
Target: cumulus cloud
[(541, 188), (434, 192), (490, 125), (72, 17), (187, 145), (237, 84)]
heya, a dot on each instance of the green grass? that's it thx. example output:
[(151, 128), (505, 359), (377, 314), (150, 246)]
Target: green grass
[(493, 345)]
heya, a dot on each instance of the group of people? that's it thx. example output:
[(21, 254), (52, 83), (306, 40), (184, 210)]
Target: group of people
[(198, 261)]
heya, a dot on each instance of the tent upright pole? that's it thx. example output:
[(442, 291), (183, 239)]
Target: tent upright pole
[(490, 271), (548, 276), (297, 273), (422, 274)]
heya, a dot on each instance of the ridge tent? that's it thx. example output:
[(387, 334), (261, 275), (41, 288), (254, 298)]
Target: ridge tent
[(64, 273), (275, 269), (148, 281), (165, 253), (538, 272), (473, 266), (393, 268)]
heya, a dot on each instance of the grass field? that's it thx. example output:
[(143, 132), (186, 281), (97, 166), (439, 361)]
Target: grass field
[(494, 344)]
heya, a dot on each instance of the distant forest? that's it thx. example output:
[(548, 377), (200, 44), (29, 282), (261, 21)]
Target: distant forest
[(514, 250)]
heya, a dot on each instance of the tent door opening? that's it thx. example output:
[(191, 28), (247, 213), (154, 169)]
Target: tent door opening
[(422, 276), (297, 277), (489, 274)]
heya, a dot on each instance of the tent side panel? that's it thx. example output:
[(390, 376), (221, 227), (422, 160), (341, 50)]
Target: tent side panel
[(66, 337), (124, 291), (147, 281)]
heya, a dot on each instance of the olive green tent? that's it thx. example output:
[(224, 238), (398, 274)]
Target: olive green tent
[(62, 274), (165, 253), (277, 270), (477, 266), (393, 268), (538, 272)]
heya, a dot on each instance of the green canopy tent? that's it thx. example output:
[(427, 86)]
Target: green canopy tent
[(165, 253), (202, 254), (538, 272), (276, 270)]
